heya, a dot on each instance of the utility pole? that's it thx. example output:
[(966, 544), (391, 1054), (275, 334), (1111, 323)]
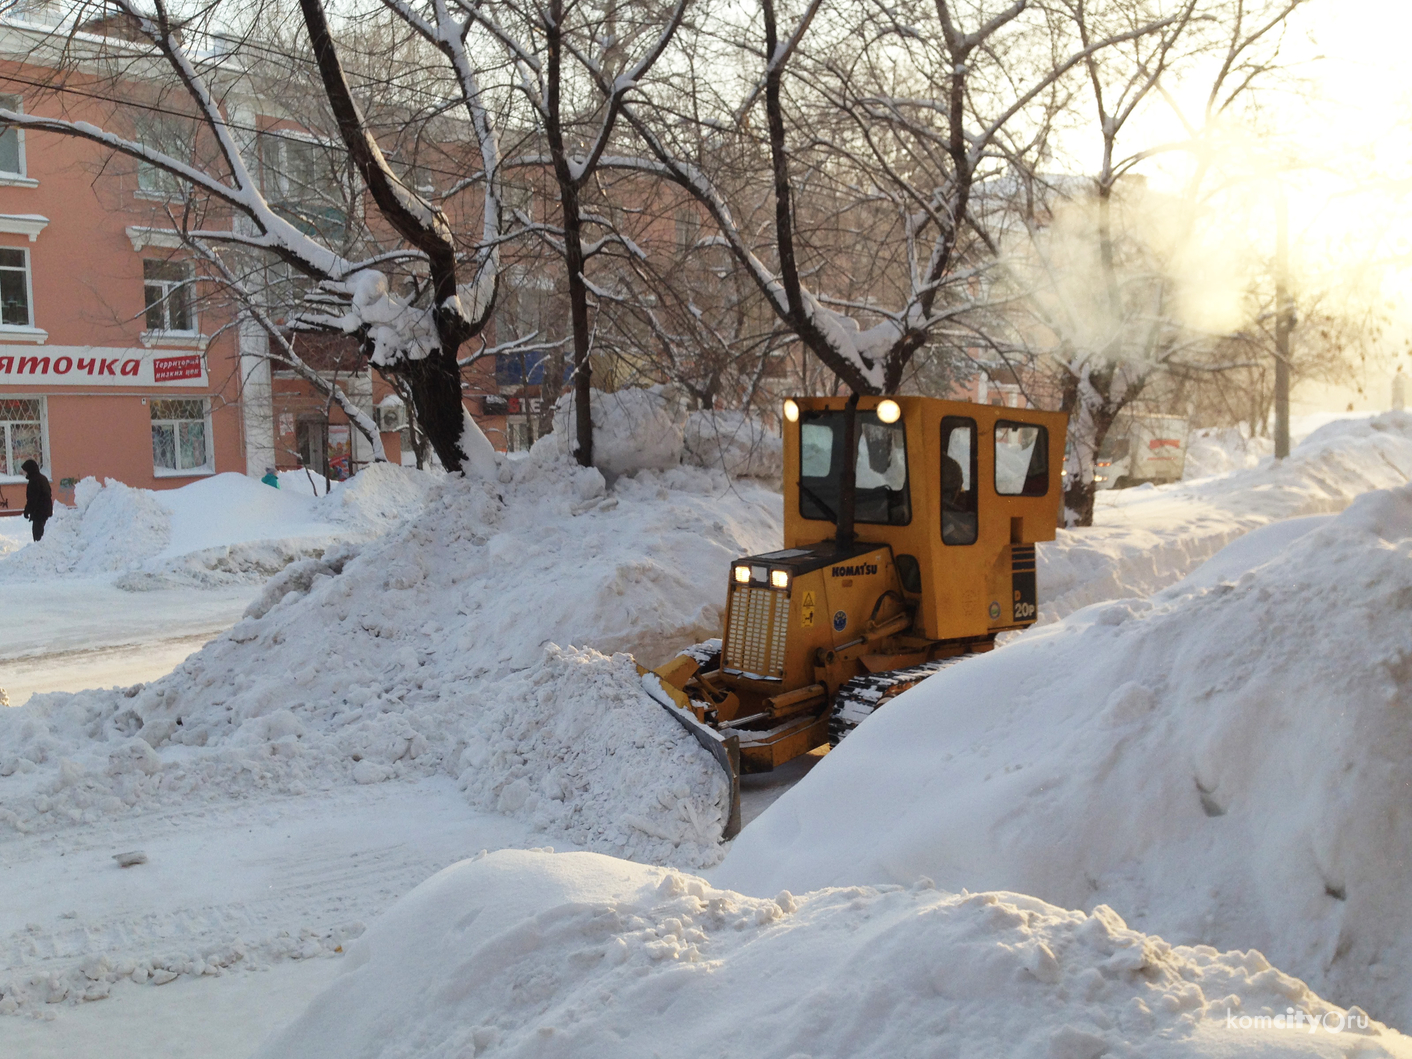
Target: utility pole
[(1284, 321)]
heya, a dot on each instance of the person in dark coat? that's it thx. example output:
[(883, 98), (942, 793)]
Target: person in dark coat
[(39, 498)]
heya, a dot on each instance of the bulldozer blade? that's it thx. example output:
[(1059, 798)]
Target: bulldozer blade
[(724, 748)]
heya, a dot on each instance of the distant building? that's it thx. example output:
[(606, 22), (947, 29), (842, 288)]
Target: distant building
[(113, 362)]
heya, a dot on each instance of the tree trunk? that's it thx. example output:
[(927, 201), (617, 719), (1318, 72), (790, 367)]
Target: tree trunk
[(435, 386), (578, 317), (568, 182), (1089, 423), (1081, 490)]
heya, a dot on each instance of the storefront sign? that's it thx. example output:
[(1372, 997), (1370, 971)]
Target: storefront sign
[(87, 366), (174, 369)]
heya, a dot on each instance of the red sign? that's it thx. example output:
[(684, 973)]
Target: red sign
[(169, 369), (1158, 443)]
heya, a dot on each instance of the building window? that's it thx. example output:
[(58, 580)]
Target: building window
[(21, 434), (518, 200), (12, 158), (171, 137), (688, 224), (180, 439), (306, 183), (519, 434), (311, 438), (167, 287), (14, 287)]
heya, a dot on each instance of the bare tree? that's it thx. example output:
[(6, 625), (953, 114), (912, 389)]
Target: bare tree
[(901, 130), (1109, 336), (411, 323), (576, 64)]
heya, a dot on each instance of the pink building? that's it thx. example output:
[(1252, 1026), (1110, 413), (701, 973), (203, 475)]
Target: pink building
[(114, 362), (106, 367)]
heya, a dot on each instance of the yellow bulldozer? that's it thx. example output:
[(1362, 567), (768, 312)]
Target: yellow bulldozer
[(907, 558)]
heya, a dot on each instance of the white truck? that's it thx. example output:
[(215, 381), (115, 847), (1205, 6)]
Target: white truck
[(1152, 448)]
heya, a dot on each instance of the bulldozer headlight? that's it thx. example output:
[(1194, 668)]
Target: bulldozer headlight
[(791, 410), (779, 578), (889, 411), (742, 575)]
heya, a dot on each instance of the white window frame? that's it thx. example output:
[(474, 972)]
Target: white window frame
[(518, 428), (7, 330), (205, 470), (179, 191), (283, 192), (168, 286), (44, 462), (20, 178)]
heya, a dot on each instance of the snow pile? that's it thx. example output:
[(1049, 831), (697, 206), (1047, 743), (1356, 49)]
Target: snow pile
[(14, 534), (303, 483), (1227, 763), (110, 527), (572, 744), (219, 530), (1219, 450), (636, 429), (633, 429), (741, 446), (1145, 539), (378, 497), (429, 651), (541, 954)]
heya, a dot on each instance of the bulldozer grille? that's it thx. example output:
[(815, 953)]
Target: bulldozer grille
[(755, 634)]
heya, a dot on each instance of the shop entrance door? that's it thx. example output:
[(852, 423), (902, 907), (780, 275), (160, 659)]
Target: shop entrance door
[(311, 435)]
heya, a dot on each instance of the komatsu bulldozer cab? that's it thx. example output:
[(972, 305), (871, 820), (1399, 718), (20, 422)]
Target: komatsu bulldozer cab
[(932, 559), (958, 494)]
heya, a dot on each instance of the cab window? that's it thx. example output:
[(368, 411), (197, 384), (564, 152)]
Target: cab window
[(1021, 459), (882, 493), (958, 480)]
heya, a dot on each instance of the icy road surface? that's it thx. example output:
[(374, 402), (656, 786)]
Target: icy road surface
[(70, 634)]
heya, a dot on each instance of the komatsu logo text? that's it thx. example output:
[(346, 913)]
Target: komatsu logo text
[(861, 570)]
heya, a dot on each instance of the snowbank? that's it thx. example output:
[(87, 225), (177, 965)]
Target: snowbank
[(303, 483), (1219, 450), (1225, 763), (14, 534), (432, 650), (731, 441), (633, 429), (636, 429), (1147, 538), (538, 954), (224, 529)]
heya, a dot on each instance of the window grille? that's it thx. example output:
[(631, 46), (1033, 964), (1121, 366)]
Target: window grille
[(21, 435), (179, 441)]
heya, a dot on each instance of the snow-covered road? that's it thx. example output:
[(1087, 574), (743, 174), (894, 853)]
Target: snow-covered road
[(274, 879), (272, 875), (70, 634)]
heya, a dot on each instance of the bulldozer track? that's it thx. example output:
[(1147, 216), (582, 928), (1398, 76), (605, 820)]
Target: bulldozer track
[(860, 697)]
